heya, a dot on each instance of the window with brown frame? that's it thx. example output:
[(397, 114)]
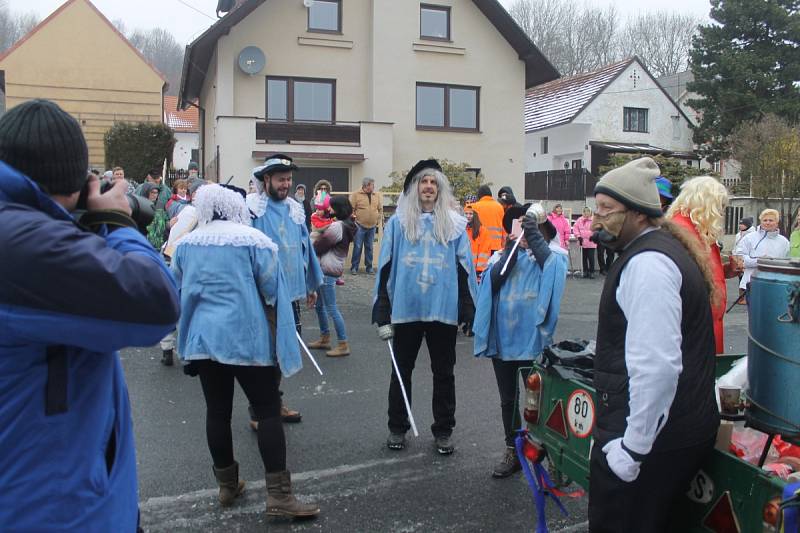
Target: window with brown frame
[(325, 16), (300, 99), (448, 107), (434, 22)]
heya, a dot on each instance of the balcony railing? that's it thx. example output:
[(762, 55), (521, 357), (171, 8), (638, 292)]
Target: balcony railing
[(570, 184), (294, 132)]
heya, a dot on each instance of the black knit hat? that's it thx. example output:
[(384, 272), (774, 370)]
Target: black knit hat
[(42, 141)]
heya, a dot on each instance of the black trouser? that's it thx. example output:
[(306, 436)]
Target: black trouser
[(646, 504), (441, 341), (298, 326), (588, 260), (605, 256), (261, 388), (506, 374)]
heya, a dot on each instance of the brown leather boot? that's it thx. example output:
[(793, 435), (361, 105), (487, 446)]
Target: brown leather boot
[(281, 501), (324, 342), (230, 486), (341, 350)]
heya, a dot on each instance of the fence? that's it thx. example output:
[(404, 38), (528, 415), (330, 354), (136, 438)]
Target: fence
[(570, 184)]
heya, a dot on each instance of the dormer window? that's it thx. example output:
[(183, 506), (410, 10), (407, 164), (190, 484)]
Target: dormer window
[(325, 16), (434, 22)]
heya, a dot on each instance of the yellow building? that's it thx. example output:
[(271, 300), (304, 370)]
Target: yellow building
[(78, 59)]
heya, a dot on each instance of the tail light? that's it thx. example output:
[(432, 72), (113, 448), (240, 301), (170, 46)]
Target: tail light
[(533, 397), (533, 451), (772, 512)]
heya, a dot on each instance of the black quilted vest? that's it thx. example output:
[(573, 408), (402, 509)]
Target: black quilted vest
[(693, 417)]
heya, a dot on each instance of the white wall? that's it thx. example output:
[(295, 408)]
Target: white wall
[(185, 142), (565, 143), (605, 113)]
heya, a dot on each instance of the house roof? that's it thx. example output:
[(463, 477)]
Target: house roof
[(181, 120), (675, 84), (560, 101), (200, 51), (60, 10)]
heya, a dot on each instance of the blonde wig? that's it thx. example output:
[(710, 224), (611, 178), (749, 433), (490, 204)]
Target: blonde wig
[(703, 199)]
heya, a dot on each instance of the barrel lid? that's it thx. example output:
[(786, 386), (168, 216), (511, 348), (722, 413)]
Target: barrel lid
[(789, 264)]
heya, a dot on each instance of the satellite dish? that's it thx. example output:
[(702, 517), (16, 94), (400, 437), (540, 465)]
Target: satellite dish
[(252, 60), (308, 3)]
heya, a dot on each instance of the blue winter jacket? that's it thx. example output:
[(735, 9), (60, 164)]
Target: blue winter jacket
[(69, 299)]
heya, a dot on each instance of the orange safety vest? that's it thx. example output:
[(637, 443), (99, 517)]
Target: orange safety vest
[(491, 213), (481, 249)]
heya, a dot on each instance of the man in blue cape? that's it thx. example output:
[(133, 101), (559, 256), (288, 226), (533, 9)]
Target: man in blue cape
[(425, 288), (283, 220)]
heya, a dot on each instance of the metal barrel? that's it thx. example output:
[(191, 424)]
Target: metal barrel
[(773, 367)]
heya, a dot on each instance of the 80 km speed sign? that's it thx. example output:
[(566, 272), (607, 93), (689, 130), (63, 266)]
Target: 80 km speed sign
[(580, 413)]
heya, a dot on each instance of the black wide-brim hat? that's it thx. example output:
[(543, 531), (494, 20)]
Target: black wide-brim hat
[(421, 165), (513, 213), (275, 163)]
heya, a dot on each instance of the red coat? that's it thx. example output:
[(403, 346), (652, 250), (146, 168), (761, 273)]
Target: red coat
[(718, 274)]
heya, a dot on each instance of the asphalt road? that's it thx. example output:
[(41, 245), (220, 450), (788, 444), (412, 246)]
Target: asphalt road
[(337, 454)]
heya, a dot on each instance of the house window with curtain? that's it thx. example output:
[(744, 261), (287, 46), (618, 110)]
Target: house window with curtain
[(434, 22), (447, 107), (325, 16), (634, 119), (301, 99)]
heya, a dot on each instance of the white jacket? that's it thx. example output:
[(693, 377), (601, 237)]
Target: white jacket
[(760, 243)]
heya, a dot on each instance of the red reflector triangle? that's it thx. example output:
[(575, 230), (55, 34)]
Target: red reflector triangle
[(721, 518), (556, 420)]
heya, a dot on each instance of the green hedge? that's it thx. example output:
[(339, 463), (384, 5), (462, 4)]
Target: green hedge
[(138, 147)]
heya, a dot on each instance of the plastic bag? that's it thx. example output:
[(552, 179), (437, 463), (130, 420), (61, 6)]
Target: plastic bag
[(571, 359), (748, 444), (735, 377)]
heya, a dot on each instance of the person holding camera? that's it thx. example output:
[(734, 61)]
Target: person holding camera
[(70, 298)]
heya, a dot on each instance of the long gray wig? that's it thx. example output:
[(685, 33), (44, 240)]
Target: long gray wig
[(446, 222)]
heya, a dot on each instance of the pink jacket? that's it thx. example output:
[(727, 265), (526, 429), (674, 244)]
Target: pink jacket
[(582, 230), (562, 228)]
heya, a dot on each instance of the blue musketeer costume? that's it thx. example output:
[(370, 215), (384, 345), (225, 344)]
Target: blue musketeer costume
[(425, 288), (284, 221), (516, 315)]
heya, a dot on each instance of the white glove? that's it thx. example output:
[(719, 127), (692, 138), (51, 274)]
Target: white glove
[(620, 461), (386, 332)]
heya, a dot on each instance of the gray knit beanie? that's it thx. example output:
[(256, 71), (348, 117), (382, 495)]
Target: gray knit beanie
[(634, 184), (42, 141)]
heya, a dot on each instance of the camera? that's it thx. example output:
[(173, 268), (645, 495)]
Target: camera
[(142, 209)]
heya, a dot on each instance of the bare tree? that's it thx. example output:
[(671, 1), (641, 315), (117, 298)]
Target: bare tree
[(769, 152), (661, 40), (578, 38), (14, 26), (161, 49), (574, 38)]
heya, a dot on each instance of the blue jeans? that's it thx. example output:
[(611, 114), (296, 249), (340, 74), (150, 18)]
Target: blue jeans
[(326, 305), (366, 237)]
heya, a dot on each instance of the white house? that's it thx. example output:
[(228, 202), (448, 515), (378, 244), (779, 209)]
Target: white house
[(357, 88), (186, 125), (573, 125)]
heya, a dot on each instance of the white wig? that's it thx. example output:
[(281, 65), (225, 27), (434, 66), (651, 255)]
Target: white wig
[(447, 222), (225, 203)]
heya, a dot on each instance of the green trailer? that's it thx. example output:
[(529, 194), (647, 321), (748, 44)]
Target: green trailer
[(727, 495)]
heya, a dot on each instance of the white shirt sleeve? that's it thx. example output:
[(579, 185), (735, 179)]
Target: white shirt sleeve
[(649, 296)]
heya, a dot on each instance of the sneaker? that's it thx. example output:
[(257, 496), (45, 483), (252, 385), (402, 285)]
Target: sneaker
[(339, 281), (508, 465), (396, 441), (370, 271), (353, 272), (444, 445)]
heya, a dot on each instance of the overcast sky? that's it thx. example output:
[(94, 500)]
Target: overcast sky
[(187, 19)]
